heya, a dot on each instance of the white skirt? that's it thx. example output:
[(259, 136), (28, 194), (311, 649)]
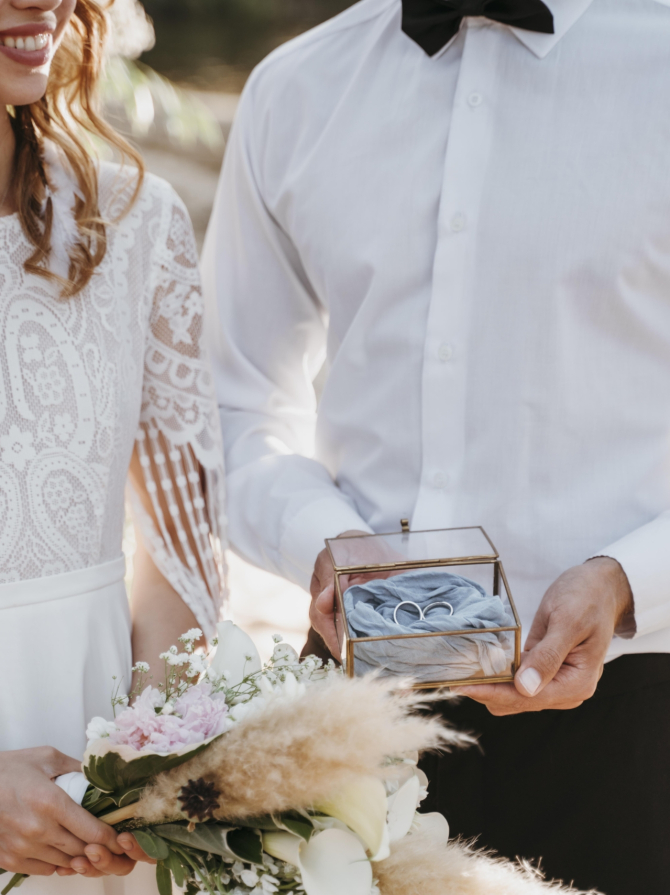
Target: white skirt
[(64, 639)]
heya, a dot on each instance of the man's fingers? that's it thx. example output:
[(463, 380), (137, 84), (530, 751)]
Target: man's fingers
[(325, 602), (322, 617), (129, 844)]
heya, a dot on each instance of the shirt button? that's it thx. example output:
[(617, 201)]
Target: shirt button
[(445, 352), (440, 480), (475, 99), (458, 222)]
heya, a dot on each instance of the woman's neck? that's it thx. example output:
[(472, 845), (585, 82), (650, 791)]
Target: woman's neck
[(7, 150)]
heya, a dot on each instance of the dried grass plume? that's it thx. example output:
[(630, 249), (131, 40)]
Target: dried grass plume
[(420, 866), (298, 752)]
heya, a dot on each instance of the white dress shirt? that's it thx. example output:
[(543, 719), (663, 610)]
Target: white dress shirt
[(479, 245)]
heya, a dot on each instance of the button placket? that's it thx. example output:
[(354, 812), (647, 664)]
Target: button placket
[(445, 382)]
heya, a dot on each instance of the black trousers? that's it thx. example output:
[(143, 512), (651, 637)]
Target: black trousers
[(586, 791)]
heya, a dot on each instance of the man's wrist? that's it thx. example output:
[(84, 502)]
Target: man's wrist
[(618, 586)]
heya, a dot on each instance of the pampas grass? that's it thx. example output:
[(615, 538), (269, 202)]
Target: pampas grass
[(298, 752), (421, 866)]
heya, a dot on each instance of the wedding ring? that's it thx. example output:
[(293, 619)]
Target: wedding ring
[(407, 603), (430, 606)]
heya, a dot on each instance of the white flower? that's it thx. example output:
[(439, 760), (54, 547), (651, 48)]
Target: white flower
[(17, 448), (179, 659), (190, 636), (99, 728), (269, 884), (141, 667), (284, 654), (277, 638), (198, 666), (235, 654), (249, 877)]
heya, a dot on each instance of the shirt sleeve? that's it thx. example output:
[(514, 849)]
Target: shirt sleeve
[(644, 555), (178, 499), (267, 332)]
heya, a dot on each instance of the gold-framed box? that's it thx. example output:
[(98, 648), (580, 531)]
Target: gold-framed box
[(468, 552)]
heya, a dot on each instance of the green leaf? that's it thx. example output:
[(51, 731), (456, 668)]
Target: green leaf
[(152, 845), (14, 882), (247, 845), (295, 823), (163, 879), (112, 774), (128, 796), (208, 838), (175, 865), (216, 839), (265, 822)]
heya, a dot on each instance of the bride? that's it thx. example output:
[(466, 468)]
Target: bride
[(102, 379)]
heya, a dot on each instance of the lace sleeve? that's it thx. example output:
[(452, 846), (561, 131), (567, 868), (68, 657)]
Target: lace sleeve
[(178, 497)]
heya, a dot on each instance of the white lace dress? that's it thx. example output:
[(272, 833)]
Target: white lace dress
[(84, 382)]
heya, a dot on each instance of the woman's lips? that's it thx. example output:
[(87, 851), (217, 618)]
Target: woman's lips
[(31, 49)]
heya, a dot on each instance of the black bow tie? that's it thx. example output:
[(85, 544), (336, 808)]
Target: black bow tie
[(432, 23)]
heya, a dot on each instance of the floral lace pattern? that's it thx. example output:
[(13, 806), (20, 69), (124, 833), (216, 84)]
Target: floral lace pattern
[(86, 381)]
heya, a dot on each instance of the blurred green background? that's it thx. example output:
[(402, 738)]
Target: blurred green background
[(214, 44)]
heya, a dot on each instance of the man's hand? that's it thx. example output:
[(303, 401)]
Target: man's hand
[(566, 647), (322, 589), (41, 828), (358, 553)]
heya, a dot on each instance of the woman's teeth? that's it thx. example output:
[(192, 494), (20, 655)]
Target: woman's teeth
[(30, 44)]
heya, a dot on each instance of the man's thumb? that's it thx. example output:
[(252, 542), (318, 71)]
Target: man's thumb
[(540, 665)]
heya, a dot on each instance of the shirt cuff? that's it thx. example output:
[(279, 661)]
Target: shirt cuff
[(644, 555), (304, 535)]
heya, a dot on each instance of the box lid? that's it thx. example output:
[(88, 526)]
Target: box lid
[(397, 550)]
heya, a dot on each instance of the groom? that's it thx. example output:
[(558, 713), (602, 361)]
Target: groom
[(462, 207)]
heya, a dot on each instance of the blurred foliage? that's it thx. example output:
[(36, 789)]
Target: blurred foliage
[(145, 104), (214, 44)]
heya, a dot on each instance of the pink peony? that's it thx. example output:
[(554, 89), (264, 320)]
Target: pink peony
[(196, 716)]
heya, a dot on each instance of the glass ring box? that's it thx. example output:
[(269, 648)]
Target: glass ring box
[(434, 606)]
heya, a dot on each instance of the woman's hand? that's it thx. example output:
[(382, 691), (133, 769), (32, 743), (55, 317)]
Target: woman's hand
[(99, 861), (41, 828)]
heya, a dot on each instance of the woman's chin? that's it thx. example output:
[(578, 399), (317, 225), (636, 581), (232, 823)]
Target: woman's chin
[(24, 89)]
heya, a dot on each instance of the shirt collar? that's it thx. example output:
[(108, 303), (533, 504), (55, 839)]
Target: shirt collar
[(566, 13)]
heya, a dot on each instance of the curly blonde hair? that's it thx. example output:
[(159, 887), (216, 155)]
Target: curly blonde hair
[(68, 115)]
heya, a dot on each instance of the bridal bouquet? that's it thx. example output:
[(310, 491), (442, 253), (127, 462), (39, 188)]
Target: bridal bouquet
[(285, 778)]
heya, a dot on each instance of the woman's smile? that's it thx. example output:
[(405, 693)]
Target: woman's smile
[(30, 44)]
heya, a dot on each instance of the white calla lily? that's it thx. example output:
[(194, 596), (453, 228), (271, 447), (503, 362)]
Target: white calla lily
[(284, 846), (235, 654), (384, 850), (435, 825), (402, 808), (362, 806), (334, 862)]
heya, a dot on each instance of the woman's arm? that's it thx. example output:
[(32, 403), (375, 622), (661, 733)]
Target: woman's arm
[(159, 614)]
